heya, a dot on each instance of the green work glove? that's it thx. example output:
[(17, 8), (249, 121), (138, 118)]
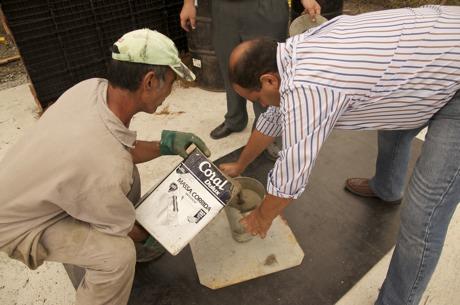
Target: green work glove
[(176, 142)]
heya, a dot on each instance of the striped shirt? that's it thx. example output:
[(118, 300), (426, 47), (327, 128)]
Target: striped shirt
[(389, 70)]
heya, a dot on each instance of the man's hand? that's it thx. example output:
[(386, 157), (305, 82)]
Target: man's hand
[(232, 169), (260, 220), (176, 142), (256, 224), (138, 233), (312, 8), (188, 15)]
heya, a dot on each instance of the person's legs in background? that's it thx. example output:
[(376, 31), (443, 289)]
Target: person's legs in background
[(234, 22), (394, 149), (428, 205), (266, 19), (226, 36)]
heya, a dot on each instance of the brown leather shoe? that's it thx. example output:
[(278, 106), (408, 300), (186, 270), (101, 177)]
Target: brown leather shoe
[(360, 187)]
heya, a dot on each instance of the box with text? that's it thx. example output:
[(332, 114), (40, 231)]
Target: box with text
[(182, 204)]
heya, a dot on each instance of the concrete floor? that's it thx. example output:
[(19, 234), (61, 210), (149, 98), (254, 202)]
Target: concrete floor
[(197, 111), (443, 288)]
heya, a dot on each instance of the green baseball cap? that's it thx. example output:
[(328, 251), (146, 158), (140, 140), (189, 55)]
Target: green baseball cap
[(146, 46)]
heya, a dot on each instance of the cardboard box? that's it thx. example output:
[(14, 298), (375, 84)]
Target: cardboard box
[(178, 208)]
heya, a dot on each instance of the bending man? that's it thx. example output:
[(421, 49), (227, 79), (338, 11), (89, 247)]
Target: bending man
[(387, 70)]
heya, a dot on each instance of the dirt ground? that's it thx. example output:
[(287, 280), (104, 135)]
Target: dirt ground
[(14, 73)]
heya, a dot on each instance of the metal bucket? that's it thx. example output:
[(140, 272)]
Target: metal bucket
[(304, 23), (251, 195)]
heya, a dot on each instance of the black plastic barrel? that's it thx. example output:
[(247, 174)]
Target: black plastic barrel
[(329, 8), (204, 60)]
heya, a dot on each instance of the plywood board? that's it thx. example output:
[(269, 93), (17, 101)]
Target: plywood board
[(221, 261)]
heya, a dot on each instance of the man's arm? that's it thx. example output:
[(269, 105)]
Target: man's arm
[(144, 151), (171, 143), (312, 8), (188, 15), (138, 233), (312, 113), (268, 127), (257, 143)]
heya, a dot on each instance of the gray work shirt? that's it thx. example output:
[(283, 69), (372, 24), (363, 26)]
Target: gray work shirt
[(73, 161)]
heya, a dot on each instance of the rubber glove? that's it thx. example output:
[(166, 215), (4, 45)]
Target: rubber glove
[(176, 142)]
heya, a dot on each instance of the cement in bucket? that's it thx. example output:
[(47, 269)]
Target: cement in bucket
[(251, 195), (304, 23)]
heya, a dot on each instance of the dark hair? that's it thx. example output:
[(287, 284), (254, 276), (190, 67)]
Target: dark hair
[(128, 75), (259, 58)]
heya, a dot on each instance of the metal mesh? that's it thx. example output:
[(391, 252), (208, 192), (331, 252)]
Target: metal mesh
[(65, 41)]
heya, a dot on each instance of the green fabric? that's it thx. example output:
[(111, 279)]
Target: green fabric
[(149, 250), (176, 142), (151, 47), (151, 242)]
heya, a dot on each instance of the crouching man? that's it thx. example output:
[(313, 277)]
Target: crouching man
[(67, 187)]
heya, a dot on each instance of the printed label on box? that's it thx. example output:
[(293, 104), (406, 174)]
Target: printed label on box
[(184, 202), (196, 62)]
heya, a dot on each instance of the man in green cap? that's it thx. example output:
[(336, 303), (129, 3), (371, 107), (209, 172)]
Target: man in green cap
[(67, 187)]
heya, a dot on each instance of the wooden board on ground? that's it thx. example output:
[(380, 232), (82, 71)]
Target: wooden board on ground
[(221, 261)]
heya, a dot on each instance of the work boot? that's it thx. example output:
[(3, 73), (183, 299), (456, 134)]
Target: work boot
[(149, 250), (361, 187)]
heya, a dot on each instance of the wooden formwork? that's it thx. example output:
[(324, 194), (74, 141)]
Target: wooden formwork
[(18, 57)]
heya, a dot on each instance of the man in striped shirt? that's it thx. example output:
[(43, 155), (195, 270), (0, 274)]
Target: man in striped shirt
[(395, 71)]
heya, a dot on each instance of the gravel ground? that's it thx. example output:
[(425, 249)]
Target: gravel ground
[(13, 73)]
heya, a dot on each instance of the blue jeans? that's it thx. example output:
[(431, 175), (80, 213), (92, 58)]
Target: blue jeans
[(428, 204)]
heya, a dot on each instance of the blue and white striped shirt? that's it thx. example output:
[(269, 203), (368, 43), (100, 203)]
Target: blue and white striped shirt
[(382, 70)]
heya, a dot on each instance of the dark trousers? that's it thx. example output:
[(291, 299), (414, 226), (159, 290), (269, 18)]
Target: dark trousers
[(237, 21)]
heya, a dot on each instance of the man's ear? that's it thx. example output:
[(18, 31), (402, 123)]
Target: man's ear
[(269, 80), (150, 82)]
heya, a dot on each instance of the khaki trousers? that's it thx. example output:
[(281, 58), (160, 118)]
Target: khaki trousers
[(109, 261)]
